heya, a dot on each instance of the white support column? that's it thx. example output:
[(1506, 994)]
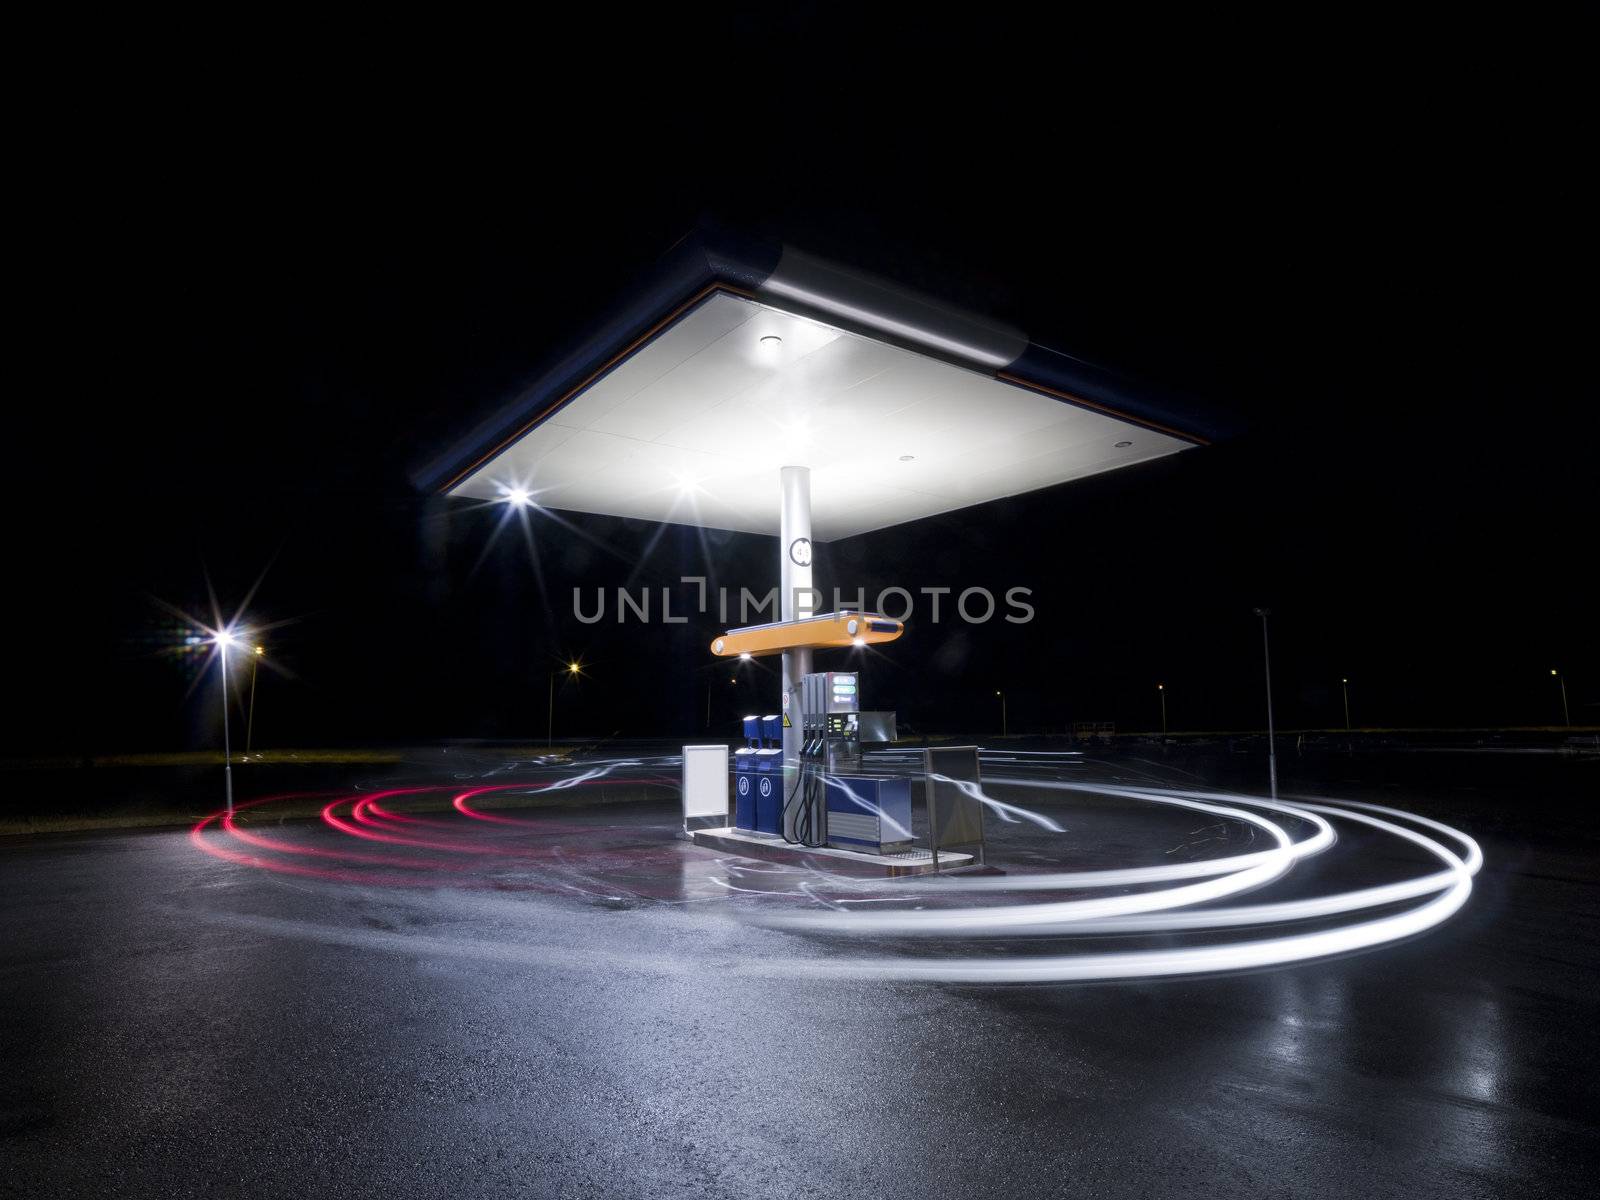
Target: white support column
[(795, 601)]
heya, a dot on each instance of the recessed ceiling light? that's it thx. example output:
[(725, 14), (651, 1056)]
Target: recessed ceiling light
[(771, 340), (907, 457), (1123, 445)]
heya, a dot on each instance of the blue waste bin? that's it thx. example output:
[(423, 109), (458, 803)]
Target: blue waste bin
[(744, 788), (768, 783)]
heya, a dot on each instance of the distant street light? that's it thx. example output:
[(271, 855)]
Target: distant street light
[(250, 721), (1266, 660), (573, 669), (1004, 731), (222, 640), (1566, 714), (1162, 688), (1344, 684)]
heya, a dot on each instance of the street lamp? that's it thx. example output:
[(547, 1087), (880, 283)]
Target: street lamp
[(1344, 685), (1162, 689), (1266, 660), (250, 721), (1003, 729), (1566, 713), (222, 640), (574, 669)]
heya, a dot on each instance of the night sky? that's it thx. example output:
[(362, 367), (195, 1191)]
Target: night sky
[(257, 314)]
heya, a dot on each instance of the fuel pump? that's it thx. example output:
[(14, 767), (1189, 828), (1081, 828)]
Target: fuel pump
[(830, 726)]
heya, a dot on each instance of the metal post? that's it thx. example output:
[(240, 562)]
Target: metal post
[(1003, 724), (227, 751), (1566, 713), (1162, 688), (795, 600), (550, 715), (1266, 660), (1344, 684)]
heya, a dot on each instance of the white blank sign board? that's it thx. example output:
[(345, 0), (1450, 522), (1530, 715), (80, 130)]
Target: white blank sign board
[(705, 782)]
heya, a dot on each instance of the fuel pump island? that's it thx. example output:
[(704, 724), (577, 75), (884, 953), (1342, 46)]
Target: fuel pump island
[(746, 385)]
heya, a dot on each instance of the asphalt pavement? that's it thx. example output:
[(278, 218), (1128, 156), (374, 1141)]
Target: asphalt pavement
[(573, 1001)]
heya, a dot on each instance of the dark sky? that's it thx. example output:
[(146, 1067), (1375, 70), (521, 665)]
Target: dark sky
[(261, 300)]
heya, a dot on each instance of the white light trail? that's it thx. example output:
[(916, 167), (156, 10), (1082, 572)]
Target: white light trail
[(1268, 866), (1154, 911), (1166, 872)]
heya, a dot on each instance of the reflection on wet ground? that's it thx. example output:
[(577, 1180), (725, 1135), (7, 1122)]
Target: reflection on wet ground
[(457, 987)]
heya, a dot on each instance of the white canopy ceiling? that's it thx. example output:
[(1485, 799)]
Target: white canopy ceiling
[(695, 425)]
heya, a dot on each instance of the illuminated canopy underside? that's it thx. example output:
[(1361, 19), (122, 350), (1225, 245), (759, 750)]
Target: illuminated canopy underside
[(694, 425)]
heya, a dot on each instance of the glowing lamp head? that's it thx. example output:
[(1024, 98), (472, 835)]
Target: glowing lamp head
[(572, 668), (519, 497), (260, 650), (224, 639), (860, 641), (744, 655)]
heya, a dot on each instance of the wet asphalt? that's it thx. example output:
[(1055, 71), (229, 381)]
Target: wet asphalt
[(585, 1005)]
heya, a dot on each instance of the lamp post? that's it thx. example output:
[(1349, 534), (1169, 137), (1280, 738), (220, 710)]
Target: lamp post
[(1161, 689), (1566, 713), (573, 669), (1266, 661), (250, 721), (1003, 728), (1344, 685), (223, 639)]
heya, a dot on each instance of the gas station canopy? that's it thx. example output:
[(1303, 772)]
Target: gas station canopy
[(739, 358)]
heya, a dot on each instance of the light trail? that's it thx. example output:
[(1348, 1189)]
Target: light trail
[(1320, 840), (469, 848), (1453, 885), (1267, 866)]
